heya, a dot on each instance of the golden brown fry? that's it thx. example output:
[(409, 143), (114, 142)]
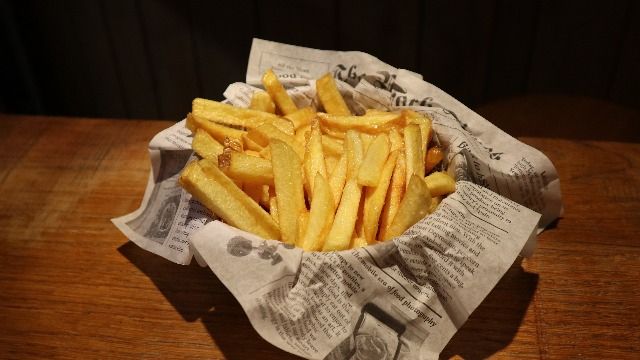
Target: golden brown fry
[(372, 124), (358, 242), (320, 216), (440, 183), (273, 209), (330, 97), (332, 146), (314, 159), (287, 176), (338, 178), (301, 117), (374, 199), (373, 162), (303, 133), (254, 191), (217, 192), (396, 140), (206, 146), (413, 207), (190, 124), (331, 162), (261, 101), (263, 134), (394, 195), (435, 201), (303, 222), (339, 237), (233, 144), (366, 140), (278, 93), (250, 144), (434, 157), (218, 132), (423, 121), (412, 151), (246, 168), (355, 153), (230, 115), (332, 132)]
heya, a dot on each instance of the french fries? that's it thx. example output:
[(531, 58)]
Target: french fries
[(320, 181)]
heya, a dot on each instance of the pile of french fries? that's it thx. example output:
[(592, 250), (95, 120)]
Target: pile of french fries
[(323, 181)]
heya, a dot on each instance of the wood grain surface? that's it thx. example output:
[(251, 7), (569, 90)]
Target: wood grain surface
[(72, 286)]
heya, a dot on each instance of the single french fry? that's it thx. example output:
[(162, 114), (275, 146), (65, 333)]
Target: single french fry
[(206, 146), (433, 158), (320, 215), (332, 132), (250, 144), (301, 117), (314, 159), (246, 168), (217, 192), (338, 178), (285, 126), (372, 124), (355, 153), (287, 177), (302, 134), (230, 115), (396, 140), (263, 134), (273, 209), (339, 237), (412, 151), (394, 195), (278, 93), (367, 139), (374, 199), (413, 207), (358, 242), (330, 97), (190, 124), (440, 183), (217, 131), (423, 121), (435, 201), (261, 101), (332, 146), (303, 222), (331, 162), (374, 161)]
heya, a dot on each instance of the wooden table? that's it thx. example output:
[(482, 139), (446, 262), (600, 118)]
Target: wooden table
[(71, 285)]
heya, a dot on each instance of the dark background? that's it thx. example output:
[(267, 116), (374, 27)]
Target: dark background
[(149, 59)]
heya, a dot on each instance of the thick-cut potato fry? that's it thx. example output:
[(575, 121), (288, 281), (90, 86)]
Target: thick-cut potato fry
[(435, 201), (338, 178), (331, 162), (287, 177), (320, 216), (440, 183), (303, 222), (358, 242), (372, 124), (302, 134), (412, 151), (246, 168), (217, 131), (301, 117), (396, 140), (190, 124), (366, 140), (230, 115), (339, 237), (278, 93), (424, 123), (374, 199), (206, 146), (250, 144), (355, 153), (285, 126), (252, 153), (394, 194), (261, 101), (330, 97), (413, 207), (332, 146), (314, 159), (263, 134), (332, 132), (217, 192), (433, 158), (373, 162), (273, 209)]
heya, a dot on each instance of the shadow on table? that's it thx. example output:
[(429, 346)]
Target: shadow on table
[(494, 324), (196, 293)]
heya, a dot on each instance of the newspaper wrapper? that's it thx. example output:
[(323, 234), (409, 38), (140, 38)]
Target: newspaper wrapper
[(402, 299)]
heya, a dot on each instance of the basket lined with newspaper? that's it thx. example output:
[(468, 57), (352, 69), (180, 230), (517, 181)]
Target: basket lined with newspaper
[(319, 173)]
